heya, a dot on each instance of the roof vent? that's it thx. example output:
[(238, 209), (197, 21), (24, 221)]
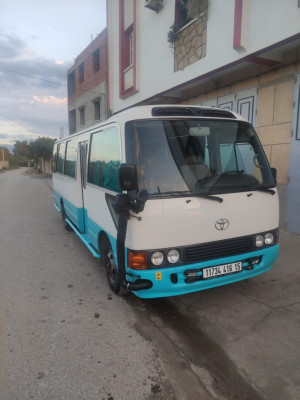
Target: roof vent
[(154, 5), (169, 111)]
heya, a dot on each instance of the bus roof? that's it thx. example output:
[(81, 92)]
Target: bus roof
[(176, 110), (163, 111)]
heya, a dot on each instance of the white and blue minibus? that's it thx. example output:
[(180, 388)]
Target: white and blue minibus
[(172, 199)]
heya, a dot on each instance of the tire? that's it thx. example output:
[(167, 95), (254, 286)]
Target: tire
[(64, 218), (107, 259)]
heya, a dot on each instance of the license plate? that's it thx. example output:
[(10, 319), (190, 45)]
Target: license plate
[(220, 270)]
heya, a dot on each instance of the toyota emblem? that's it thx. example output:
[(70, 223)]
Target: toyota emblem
[(222, 224)]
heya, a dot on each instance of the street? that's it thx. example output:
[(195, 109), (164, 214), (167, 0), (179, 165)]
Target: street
[(65, 335)]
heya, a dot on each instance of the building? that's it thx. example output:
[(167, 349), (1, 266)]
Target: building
[(4, 156), (242, 55), (87, 85)]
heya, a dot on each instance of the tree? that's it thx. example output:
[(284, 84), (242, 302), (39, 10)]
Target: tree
[(41, 147), (21, 148)]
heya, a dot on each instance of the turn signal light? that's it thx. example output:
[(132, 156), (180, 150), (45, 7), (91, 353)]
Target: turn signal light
[(137, 260)]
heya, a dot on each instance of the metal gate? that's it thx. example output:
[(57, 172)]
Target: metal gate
[(293, 191)]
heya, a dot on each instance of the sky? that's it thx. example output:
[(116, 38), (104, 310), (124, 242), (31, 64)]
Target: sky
[(39, 40)]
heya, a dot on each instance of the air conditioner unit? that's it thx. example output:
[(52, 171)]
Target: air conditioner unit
[(155, 5)]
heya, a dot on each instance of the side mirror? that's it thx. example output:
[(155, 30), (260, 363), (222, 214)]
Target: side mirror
[(274, 174), (128, 177)]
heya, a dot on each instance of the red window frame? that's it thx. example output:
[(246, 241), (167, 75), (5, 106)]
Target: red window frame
[(124, 42)]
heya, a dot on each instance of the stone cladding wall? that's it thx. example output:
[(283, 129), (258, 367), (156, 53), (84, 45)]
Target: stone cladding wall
[(190, 44)]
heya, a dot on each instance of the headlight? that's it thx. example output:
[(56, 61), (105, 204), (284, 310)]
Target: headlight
[(269, 238), (173, 256), (259, 241), (157, 258)]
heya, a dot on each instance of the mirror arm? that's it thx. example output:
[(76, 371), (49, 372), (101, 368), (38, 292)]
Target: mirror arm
[(122, 204)]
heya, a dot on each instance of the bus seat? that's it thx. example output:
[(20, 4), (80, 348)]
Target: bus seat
[(193, 173)]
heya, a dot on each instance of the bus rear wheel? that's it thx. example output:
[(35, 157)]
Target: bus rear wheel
[(64, 218)]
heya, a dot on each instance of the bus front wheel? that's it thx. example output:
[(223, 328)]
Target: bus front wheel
[(112, 272)]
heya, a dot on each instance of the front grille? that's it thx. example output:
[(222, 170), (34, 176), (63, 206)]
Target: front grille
[(221, 248)]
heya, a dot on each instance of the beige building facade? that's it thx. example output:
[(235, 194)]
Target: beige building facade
[(274, 112)]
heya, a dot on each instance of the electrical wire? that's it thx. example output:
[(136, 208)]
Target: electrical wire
[(31, 76), (48, 81), (44, 80), (17, 123)]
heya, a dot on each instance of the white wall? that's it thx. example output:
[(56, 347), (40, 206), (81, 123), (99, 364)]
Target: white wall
[(271, 21), (265, 23)]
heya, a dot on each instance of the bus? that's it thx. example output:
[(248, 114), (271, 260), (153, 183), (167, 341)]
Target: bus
[(171, 199)]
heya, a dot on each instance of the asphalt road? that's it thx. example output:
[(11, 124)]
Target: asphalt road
[(63, 334)]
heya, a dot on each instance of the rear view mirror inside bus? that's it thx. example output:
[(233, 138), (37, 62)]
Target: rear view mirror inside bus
[(127, 177), (199, 131)]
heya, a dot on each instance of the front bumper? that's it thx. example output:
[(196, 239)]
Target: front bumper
[(172, 281)]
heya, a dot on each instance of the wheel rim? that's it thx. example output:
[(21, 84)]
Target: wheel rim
[(111, 268)]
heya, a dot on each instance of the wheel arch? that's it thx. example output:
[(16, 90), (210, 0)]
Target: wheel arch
[(102, 239)]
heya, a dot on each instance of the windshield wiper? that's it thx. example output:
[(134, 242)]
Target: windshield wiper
[(187, 193), (267, 190), (208, 196)]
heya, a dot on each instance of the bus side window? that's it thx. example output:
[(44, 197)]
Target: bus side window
[(61, 157), (104, 159), (54, 158), (71, 156)]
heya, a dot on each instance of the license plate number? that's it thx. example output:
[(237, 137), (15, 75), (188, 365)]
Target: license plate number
[(220, 270)]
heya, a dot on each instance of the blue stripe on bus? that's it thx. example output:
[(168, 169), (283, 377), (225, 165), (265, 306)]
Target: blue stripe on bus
[(72, 212), (75, 214), (84, 238), (79, 217), (57, 198), (93, 230)]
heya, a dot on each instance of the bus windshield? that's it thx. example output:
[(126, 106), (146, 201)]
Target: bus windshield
[(198, 156)]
